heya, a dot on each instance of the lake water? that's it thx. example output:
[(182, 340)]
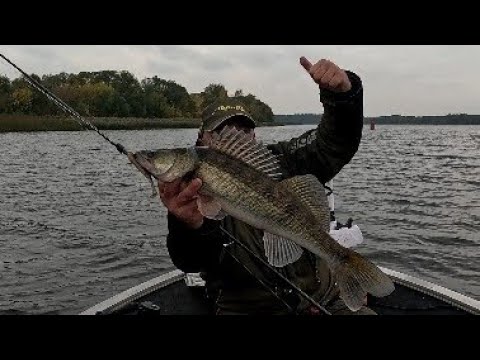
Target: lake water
[(78, 225)]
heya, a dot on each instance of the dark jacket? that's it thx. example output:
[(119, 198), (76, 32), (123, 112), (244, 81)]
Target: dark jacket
[(322, 152)]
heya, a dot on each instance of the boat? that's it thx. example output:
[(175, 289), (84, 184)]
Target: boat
[(179, 293)]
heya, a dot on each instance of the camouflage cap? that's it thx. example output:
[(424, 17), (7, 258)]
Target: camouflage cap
[(219, 112)]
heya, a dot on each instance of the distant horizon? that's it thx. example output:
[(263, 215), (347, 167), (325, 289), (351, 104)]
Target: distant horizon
[(397, 79), (449, 119), (376, 116)]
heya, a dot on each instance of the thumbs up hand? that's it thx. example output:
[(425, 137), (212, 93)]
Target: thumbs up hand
[(327, 75)]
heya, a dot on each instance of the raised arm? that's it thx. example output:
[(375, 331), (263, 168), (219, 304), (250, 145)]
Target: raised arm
[(324, 151)]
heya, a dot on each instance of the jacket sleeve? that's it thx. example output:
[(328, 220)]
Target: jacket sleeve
[(325, 150), (194, 250)]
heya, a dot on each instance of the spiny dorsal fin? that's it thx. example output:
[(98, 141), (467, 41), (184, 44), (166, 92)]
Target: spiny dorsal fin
[(239, 145), (312, 193)]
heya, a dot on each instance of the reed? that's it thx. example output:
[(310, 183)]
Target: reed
[(27, 123)]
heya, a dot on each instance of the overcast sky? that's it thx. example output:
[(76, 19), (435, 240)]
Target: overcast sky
[(398, 79)]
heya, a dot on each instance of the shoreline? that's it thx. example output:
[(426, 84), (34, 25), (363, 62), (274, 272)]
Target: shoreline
[(31, 123)]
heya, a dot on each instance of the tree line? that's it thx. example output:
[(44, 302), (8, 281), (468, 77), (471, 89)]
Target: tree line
[(449, 119), (298, 119), (118, 94)]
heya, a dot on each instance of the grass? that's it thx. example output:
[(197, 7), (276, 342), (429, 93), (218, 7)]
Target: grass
[(30, 123), (27, 123)]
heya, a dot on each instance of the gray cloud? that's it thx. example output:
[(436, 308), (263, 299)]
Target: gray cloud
[(398, 79)]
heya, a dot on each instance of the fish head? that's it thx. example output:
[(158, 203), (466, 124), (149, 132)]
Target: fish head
[(167, 165)]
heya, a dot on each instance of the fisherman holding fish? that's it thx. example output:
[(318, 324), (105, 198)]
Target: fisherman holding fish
[(287, 234)]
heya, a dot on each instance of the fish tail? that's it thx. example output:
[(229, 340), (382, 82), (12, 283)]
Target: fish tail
[(357, 276)]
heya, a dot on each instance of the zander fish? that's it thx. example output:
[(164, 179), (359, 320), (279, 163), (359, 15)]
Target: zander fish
[(243, 179)]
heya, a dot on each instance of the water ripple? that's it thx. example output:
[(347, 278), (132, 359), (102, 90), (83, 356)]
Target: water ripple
[(78, 225)]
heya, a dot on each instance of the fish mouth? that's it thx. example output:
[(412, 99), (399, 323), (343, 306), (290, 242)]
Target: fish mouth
[(144, 159)]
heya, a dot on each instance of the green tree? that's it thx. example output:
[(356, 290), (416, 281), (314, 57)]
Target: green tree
[(166, 98), (119, 94), (5, 94), (214, 92), (258, 109), (22, 96), (198, 102)]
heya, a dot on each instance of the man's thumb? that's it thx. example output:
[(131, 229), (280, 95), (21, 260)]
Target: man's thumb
[(305, 63)]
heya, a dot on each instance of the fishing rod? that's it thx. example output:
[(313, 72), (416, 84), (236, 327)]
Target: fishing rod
[(82, 122), (292, 285), (85, 123), (263, 283)]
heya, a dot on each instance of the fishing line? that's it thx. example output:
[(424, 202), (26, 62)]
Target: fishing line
[(273, 292), (82, 122), (65, 107), (296, 288)]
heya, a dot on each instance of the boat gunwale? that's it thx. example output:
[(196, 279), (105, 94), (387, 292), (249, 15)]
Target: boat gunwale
[(451, 297), (126, 297)]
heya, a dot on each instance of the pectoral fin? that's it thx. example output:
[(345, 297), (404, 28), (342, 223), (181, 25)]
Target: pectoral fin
[(280, 251), (210, 208)]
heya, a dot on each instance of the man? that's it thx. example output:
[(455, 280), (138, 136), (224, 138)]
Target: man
[(239, 283)]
